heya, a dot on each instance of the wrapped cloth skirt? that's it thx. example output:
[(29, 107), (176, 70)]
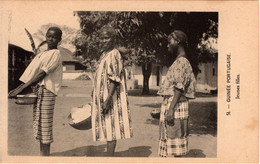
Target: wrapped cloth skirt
[(43, 111), (173, 140)]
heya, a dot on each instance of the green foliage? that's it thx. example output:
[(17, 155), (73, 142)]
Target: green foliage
[(208, 46), (86, 42), (142, 36), (138, 35)]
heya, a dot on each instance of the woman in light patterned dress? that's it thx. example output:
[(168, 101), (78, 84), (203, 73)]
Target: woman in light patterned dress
[(110, 111), (177, 88)]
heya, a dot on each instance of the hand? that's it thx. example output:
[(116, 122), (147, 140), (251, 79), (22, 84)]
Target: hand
[(170, 117), (15, 92), (106, 106)]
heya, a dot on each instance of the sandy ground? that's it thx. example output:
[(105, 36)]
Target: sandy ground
[(71, 142)]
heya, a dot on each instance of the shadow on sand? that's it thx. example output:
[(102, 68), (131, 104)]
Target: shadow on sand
[(138, 92), (100, 151), (203, 117), (153, 93), (195, 153), (140, 151)]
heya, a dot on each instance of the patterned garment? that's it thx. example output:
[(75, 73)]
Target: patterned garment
[(174, 139), (117, 123), (43, 111), (51, 63), (179, 75), (174, 147)]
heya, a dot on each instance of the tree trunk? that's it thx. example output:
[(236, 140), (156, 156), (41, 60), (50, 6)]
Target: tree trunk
[(146, 69)]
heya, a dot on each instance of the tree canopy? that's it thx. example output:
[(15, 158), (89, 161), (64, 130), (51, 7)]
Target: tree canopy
[(142, 36)]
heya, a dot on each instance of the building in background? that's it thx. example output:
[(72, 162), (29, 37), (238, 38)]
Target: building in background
[(69, 63), (207, 78), (135, 76), (18, 60), (72, 68)]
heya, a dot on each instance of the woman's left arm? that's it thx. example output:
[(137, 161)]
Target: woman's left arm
[(38, 77), (114, 71), (111, 92)]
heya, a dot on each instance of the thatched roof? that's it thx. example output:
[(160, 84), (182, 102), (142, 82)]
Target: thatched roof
[(67, 55)]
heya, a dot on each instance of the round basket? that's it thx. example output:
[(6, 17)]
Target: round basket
[(155, 113), (78, 114), (26, 99), (82, 125)]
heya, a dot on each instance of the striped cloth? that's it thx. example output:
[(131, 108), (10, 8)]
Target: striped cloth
[(117, 123), (174, 139), (43, 111)]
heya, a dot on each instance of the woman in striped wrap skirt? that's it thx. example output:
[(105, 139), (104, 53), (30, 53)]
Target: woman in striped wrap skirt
[(45, 74), (110, 111), (177, 88)]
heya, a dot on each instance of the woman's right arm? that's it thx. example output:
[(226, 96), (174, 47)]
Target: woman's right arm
[(38, 77), (171, 111), (181, 77), (16, 88)]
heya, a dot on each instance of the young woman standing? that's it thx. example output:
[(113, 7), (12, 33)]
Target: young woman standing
[(177, 88), (45, 73), (110, 111)]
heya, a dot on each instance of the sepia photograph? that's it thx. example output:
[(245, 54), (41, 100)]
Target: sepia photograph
[(119, 84), (148, 80)]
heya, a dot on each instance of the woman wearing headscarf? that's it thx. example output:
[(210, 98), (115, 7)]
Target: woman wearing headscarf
[(111, 119), (177, 88)]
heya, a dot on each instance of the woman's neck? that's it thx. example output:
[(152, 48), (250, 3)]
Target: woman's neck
[(52, 48), (108, 50), (181, 52)]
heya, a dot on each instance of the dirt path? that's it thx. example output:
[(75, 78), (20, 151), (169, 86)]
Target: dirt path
[(72, 142)]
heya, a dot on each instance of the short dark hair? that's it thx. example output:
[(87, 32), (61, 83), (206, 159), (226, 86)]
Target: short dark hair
[(57, 30)]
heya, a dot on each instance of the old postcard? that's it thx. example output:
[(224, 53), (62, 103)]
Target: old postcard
[(129, 82)]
